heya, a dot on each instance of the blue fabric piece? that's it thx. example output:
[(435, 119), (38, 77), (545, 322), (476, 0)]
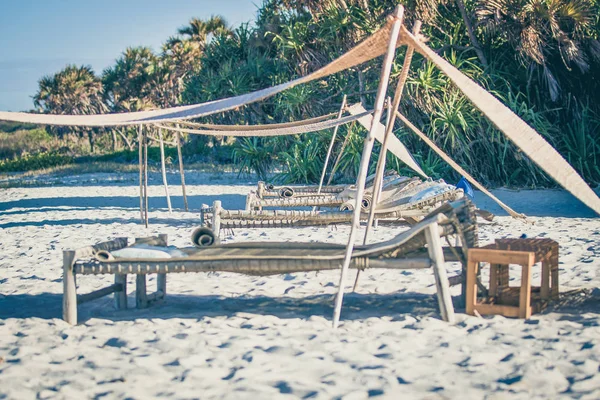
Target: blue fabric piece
[(466, 187)]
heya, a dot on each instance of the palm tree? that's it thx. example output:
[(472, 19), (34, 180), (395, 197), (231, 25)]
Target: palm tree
[(542, 32), (202, 31), (128, 82), (73, 90)]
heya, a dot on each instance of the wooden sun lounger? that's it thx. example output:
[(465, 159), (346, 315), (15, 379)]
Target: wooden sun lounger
[(405, 251), (266, 191), (394, 208), (394, 191)]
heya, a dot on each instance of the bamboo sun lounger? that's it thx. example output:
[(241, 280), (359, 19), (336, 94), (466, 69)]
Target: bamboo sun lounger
[(405, 251), (264, 190), (394, 188), (404, 203)]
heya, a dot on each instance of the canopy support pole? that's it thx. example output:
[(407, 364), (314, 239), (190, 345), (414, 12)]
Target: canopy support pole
[(389, 129), (141, 155), (145, 139), (335, 131), (178, 141), (366, 156), (163, 168), (457, 167)]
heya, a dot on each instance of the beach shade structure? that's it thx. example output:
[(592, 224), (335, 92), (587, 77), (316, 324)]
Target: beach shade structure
[(152, 256), (382, 42)]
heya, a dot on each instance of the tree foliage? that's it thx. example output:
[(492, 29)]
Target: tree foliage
[(540, 57)]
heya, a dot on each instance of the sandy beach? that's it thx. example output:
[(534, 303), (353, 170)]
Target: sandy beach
[(224, 335)]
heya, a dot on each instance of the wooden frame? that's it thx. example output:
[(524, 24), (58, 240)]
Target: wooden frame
[(417, 248), (525, 259), (71, 299), (73, 265)]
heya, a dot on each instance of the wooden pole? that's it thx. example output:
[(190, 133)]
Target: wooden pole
[(163, 168), (381, 154), (178, 140), (121, 297), (389, 131), (141, 296), (141, 173), (69, 288), (366, 156), (145, 179), (161, 279), (335, 131), (216, 225), (436, 253)]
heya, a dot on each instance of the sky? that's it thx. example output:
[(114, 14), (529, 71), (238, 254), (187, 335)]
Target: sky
[(40, 37)]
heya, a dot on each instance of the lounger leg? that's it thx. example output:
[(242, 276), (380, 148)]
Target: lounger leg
[(141, 297), (434, 248), (121, 297), (217, 220), (69, 288), (161, 279)]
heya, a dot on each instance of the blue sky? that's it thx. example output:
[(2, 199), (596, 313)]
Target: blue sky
[(39, 37)]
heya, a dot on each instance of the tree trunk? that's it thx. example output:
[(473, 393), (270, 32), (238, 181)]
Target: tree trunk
[(125, 140), (361, 88), (90, 134), (114, 139), (472, 37)]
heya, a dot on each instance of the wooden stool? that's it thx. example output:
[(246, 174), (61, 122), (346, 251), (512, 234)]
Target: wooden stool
[(495, 257), (546, 252)]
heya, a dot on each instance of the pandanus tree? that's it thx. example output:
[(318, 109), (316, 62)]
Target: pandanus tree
[(201, 32), (128, 84), (73, 90), (548, 36), (129, 80)]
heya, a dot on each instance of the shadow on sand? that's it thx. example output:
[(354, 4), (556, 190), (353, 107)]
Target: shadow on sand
[(91, 204), (572, 306), (356, 306)]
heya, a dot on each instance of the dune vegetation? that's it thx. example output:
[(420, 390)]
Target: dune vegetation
[(540, 57)]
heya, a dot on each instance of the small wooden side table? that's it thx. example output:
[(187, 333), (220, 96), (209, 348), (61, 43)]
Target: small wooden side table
[(546, 252), (499, 257), (505, 300)]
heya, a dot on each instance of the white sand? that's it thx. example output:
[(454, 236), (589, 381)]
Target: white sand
[(230, 336)]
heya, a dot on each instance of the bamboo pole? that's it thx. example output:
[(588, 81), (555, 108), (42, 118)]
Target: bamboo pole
[(121, 297), (141, 173), (366, 156), (335, 131), (145, 179), (69, 288), (161, 279), (163, 168), (457, 167), (389, 131), (178, 140), (382, 158), (436, 254), (338, 158)]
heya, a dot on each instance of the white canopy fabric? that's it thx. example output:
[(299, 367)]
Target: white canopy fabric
[(372, 47), (395, 146), (290, 130), (217, 127)]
